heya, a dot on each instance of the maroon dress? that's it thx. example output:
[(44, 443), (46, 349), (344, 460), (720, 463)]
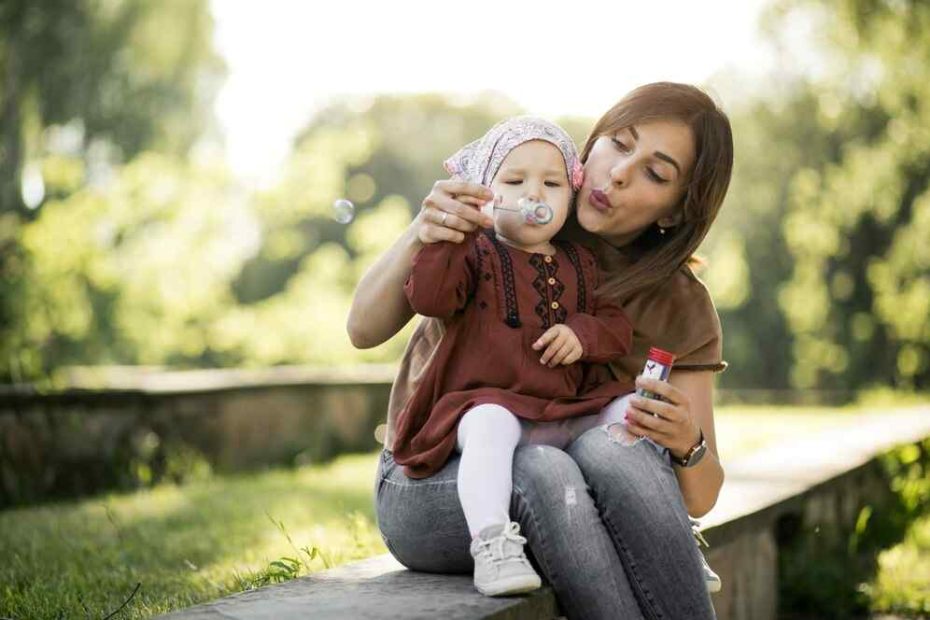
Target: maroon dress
[(496, 301)]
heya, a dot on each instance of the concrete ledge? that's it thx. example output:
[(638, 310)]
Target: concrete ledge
[(378, 587), (823, 479)]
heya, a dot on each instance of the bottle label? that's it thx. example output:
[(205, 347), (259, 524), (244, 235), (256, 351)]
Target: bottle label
[(654, 370)]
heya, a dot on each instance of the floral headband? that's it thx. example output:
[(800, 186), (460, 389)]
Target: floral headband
[(479, 161)]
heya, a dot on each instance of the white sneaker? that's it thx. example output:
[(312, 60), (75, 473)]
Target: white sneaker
[(711, 579), (501, 566)]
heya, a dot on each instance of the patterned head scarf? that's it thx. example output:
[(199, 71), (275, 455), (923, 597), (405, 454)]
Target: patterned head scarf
[(479, 161)]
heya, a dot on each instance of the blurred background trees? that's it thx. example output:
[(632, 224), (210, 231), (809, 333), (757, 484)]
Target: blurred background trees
[(126, 240)]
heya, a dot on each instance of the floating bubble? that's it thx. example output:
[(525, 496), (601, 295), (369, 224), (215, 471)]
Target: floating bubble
[(343, 211)]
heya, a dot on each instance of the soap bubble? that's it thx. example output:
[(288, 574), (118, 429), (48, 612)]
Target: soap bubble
[(343, 211), (535, 212)]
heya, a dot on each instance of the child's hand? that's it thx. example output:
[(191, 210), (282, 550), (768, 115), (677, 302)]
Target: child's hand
[(562, 346)]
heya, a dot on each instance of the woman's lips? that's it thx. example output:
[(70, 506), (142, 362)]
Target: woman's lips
[(598, 200)]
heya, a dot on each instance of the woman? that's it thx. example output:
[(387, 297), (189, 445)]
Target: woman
[(606, 523)]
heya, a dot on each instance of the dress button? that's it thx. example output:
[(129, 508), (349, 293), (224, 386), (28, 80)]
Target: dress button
[(555, 305), (548, 259), (551, 281)]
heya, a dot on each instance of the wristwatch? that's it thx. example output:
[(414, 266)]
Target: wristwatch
[(694, 455)]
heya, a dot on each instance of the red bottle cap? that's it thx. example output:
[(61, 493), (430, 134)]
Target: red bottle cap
[(663, 357)]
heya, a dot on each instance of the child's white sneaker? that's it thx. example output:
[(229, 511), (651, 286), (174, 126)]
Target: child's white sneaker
[(711, 579), (501, 567)]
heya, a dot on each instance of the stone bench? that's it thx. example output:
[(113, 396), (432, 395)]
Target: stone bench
[(824, 478)]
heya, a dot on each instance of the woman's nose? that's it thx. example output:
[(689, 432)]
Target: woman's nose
[(620, 173)]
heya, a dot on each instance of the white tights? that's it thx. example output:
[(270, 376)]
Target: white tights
[(487, 437)]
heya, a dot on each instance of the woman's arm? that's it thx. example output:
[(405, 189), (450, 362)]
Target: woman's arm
[(700, 485), (688, 412), (380, 308)]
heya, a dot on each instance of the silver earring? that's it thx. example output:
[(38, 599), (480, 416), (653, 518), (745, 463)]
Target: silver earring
[(661, 230)]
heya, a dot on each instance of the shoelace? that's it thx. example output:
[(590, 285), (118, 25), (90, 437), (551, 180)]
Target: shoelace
[(495, 546), (695, 524)]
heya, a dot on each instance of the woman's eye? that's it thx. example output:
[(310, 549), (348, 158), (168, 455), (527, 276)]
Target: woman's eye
[(620, 145), (655, 177)]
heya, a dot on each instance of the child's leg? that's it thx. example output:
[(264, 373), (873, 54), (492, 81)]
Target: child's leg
[(487, 437)]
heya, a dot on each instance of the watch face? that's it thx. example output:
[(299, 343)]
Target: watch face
[(696, 456)]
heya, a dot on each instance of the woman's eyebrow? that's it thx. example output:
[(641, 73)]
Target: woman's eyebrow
[(669, 159), (658, 154)]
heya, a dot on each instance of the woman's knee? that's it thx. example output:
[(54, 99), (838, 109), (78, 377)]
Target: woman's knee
[(636, 470), (545, 472), (421, 521)]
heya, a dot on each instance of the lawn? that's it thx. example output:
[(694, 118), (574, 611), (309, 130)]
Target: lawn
[(193, 543)]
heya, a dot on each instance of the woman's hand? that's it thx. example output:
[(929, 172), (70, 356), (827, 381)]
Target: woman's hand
[(670, 424), (452, 208)]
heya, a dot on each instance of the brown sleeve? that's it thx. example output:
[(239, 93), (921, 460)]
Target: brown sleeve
[(421, 347), (702, 338), (679, 317), (605, 335), (442, 277)]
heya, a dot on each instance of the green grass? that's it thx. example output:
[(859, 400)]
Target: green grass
[(193, 543), (187, 544), (744, 429)]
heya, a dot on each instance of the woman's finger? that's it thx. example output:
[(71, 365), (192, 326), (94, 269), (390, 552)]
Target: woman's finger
[(469, 200), (644, 420), (462, 199), (458, 187), (431, 233), (657, 407), (663, 388), (469, 213), (449, 220)]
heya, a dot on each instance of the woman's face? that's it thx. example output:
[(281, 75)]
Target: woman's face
[(535, 170), (635, 178)]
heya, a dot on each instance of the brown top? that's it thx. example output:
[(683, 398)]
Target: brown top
[(495, 301), (678, 316)]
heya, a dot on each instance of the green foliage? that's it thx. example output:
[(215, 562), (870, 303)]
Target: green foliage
[(185, 544), (858, 300), (834, 571), (86, 86), (818, 262)]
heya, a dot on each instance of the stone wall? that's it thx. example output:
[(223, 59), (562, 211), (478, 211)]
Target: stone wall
[(84, 439)]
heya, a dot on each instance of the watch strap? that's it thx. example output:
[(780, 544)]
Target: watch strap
[(699, 447)]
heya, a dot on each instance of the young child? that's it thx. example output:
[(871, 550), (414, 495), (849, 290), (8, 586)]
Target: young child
[(525, 334)]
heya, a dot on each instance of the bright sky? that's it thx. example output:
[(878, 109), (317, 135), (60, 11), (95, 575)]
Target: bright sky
[(287, 58)]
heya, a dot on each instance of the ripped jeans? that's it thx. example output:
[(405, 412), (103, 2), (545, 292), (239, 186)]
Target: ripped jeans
[(605, 523)]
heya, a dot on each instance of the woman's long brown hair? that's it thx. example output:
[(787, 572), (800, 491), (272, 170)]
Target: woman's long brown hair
[(655, 257)]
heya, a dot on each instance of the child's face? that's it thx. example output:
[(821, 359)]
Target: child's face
[(534, 170)]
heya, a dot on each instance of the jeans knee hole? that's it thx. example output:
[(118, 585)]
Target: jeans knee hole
[(617, 433)]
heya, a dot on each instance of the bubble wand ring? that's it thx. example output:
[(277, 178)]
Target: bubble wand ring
[(533, 212)]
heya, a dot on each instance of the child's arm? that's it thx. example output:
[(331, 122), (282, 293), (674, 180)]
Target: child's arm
[(605, 335), (442, 277), (587, 338)]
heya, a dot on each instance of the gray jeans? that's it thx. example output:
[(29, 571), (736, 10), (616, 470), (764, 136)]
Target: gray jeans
[(605, 524)]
